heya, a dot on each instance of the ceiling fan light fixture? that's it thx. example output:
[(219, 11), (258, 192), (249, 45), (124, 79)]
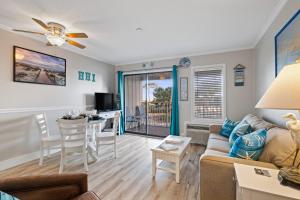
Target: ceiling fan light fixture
[(56, 34), (55, 40)]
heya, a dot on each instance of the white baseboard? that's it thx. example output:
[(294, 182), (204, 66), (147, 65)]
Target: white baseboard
[(12, 162)]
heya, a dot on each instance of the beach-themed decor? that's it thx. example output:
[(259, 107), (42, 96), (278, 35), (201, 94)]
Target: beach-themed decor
[(88, 76), (239, 75), (184, 89), (80, 75), (287, 44), (93, 77), (36, 67)]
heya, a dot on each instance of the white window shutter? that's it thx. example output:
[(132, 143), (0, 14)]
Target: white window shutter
[(208, 94)]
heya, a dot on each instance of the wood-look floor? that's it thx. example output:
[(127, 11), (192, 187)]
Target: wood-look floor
[(129, 176)]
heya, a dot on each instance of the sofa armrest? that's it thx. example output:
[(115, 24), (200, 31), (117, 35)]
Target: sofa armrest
[(217, 176), (215, 128), (46, 187)]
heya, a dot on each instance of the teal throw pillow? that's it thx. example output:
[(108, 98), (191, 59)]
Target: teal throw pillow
[(249, 146), (227, 127), (241, 129), (4, 196)]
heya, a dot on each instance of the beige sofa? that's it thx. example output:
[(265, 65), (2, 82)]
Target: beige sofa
[(216, 167)]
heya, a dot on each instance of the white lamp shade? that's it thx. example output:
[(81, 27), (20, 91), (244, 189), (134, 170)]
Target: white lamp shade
[(284, 92)]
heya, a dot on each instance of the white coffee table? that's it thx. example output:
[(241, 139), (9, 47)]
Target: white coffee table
[(171, 161)]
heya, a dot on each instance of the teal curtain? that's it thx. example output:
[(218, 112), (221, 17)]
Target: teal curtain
[(174, 128), (121, 96)]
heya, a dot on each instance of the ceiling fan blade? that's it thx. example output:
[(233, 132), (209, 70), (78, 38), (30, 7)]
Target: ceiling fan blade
[(76, 44), (23, 31), (42, 24), (76, 35)]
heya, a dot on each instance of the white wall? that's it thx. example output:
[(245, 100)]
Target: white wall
[(265, 60), (239, 100), (19, 101)]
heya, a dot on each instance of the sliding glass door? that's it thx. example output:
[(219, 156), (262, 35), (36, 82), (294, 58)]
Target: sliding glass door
[(148, 103), (136, 103)]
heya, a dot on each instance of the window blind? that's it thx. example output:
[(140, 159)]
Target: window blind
[(208, 93)]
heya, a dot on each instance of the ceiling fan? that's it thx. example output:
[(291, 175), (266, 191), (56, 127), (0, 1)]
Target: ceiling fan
[(56, 34)]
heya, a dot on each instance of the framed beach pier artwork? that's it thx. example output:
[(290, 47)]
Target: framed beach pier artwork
[(35, 67), (287, 44)]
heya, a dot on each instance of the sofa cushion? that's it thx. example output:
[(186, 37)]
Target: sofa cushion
[(209, 152), (87, 196), (257, 123), (227, 127), (241, 129), (280, 149), (217, 137), (218, 145), (249, 146)]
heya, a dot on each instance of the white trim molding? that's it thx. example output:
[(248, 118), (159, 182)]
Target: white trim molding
[(147, 71), (38, 109), (178, 56), (221, 67), (270, 21)]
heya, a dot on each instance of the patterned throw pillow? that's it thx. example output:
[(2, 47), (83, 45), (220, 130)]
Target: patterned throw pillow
[(227, 127), (4, 196), (249, 146), (241, 129)]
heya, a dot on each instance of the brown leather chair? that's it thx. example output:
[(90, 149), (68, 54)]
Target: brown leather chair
[(49, 187)]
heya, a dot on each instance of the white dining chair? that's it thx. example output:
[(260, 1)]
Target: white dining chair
[(73, 140), (108, 138), (47, 141), (90, 127)]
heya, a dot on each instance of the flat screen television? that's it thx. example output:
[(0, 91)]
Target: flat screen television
[(104, 101)]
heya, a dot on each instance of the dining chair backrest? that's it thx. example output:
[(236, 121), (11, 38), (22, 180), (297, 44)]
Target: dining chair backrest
[(116, 122), (72, 131), (42, 125)]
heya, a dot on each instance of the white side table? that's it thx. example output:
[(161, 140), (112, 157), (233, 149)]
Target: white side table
[(250, 186)]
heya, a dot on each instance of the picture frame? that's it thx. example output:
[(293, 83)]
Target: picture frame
[(239, 75), (184, 89), (287, 42), (31, 66)]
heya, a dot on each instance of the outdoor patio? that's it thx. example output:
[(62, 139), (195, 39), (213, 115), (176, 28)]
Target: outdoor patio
[(148, 103), (152, 130)]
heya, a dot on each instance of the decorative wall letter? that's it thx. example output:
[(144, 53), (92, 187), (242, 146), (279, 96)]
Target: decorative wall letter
[(87, 76), (80, 75)]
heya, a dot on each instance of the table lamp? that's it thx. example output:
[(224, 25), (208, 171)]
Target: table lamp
[(284, 93)]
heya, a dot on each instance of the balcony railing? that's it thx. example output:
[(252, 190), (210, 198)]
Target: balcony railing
[(159, 114), (158, 119)]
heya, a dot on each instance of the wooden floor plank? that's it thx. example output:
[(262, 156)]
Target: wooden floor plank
[(127, 177)]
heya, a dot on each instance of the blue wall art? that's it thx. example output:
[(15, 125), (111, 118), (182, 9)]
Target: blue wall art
[(287, 44), (80, 75), (88, 76)]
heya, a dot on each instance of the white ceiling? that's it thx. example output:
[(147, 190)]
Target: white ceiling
[(172, 28)]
